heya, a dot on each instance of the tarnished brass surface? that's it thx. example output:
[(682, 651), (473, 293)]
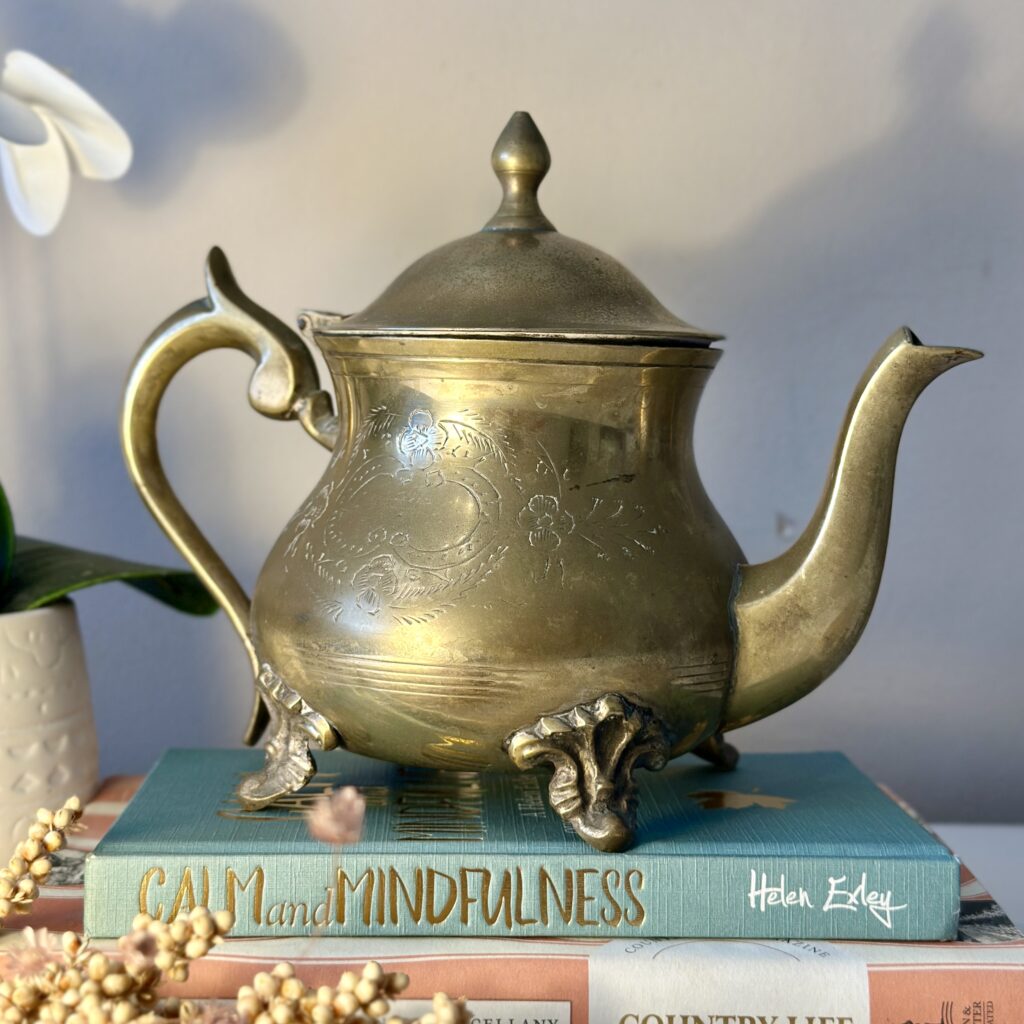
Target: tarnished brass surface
[(284, 385), (594, 749), (799, 616), (510, 557)]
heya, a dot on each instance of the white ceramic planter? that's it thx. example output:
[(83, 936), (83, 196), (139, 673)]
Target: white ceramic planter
[(48, 748)]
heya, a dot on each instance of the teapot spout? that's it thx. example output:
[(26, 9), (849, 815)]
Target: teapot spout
[(798, 616)]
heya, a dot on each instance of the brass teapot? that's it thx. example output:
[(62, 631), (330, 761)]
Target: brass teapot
[(510, 559)]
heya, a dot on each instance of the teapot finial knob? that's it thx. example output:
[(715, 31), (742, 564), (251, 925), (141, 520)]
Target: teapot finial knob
[(520, 160)]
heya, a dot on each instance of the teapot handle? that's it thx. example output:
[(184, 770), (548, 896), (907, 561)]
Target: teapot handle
[(285, 385)]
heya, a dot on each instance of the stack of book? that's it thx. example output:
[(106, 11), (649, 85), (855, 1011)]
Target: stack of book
[(804, 894)]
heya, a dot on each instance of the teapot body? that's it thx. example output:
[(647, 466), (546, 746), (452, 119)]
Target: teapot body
[(510, 560), (504, 531)]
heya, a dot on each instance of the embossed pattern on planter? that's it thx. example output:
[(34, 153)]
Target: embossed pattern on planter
[(48, 747)]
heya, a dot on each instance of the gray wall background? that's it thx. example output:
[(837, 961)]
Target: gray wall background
[(802, 176)]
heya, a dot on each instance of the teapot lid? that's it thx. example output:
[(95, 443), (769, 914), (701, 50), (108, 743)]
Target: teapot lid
[(518, 277)]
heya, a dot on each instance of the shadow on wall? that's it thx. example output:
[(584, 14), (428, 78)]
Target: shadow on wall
[(177, 79), (921, 226), (810, 288)]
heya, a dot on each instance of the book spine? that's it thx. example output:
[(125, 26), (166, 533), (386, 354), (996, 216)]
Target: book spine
[(728, 983), (349, 893)]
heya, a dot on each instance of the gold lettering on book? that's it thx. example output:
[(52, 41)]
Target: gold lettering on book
[(186, 894), (582, 899), (346, 885), (287, 914), (396, 885), (606, 887), (258, 880), (564, 903), (637, 877), (435, 916), (160, 875), (419, 896)]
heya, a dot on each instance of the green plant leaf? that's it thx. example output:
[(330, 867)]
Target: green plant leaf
[(43, 573), (6, 540)]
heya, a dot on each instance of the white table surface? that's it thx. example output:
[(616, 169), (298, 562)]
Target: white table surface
[(995, 854)]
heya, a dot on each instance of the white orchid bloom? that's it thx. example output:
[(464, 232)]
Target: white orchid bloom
[(47, 122)]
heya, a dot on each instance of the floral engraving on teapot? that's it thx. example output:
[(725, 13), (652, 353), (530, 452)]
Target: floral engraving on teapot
[(611, 527), (447, 481), (443, 481)]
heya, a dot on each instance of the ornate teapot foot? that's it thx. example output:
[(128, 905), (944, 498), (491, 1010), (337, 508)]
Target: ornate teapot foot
[(716, 751), (294, 725), (594, 749)]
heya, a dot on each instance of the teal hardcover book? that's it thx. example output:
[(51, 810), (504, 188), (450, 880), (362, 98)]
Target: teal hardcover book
[(786, 846)]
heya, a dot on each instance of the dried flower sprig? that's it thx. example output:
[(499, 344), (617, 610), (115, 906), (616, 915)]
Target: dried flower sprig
[(87, 987), (31, 863), (279, 997), (77, 985)]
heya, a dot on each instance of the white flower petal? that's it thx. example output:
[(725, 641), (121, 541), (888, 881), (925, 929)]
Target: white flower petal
[(100, 146), (37, 180), (19, 123)]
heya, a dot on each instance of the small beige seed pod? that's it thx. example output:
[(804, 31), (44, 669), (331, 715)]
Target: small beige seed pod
[(292, 988), (44, 817), (264, 1018), (321, 1014), (97, 967), (123, 1012), (27, 888), (378, 1007), (347, 982), (37, 830), (7, 888), (366, 991), (249, 1006), (284, 970), (31, 849), (180, 931), (140, 922), (265, 985), (282, 1013), (224, 920), (196, 948), (53, 841), (345, 1004), (165, 960), (117, 985), (23, 998), (59, 1013), (17, 866), (373, 971), (40, 869)]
